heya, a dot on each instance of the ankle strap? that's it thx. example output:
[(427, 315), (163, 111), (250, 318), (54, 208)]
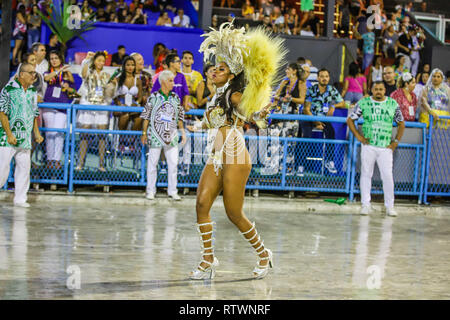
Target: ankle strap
[(252, 228)]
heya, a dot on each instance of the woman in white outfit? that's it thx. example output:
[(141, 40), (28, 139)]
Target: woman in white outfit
[(93, 91)]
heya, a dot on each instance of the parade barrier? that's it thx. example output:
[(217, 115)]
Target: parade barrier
[(278, 162), (437, 179)]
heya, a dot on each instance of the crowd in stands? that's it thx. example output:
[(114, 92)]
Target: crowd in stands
[(417, 87), (28, 22)]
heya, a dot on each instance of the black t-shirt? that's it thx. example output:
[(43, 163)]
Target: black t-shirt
[(404, 41), (389, 88), (116, 59)]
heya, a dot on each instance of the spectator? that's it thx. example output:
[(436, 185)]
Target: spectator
[(181, 20), (420, 85), (60, 89), (118, 57), (306, 6), (368, 39), (166, 5), (113, 17), (18, 118), (173, 63), (405, 96), (124, 16), (390, 38), (19, 33), (128, 93), (344, 19), (139, 17), (162, 115), (40, 52), (38, 84), (291, 22), (54, 45), (398, 13), (405, 46), (101, 15), (435, 97), (267, 24), (376, 144), (248, 11), (289, 97), (164, 20), (447, 75), (265, 8), (313, 24), (93, 92), (409, 7), (426, 68), (321, 100), (423, 7), (313, 71), (277, 20), (144, 76), (376, 71), (394, 22), (389, 80), (418, 38), (86, 10), (121, 4), (400, 66), (160, 52), (206, 89), (34, 26), (193, 77), (355, 84), (134, 5)]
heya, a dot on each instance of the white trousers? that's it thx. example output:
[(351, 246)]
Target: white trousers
[(383, 157), (171, 154), (54, 141), (22, 171)]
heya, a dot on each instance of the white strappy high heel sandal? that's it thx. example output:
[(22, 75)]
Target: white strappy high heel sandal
[(259, 271), (210, 271)]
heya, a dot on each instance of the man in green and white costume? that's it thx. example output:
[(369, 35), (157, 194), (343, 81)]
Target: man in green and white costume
[(378, 112), (18, 118)]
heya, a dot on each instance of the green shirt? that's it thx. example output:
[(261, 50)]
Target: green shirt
[(163, 113), (378, 117), (21, 108)]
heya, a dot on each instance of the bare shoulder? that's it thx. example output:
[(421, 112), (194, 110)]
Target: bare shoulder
[(236, 98)]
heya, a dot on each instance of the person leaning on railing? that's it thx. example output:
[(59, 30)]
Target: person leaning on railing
[(93, 91), (60, 89), (435, 97), (405, 96), (321, 100)]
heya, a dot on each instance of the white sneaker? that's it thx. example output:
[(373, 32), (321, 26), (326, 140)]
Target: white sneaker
[(330, 166), (150, 196), (175, 197), (22, 205), (391, 212), (365, 210)]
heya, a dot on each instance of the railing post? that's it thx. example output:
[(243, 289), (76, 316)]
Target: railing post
[(72, 148)]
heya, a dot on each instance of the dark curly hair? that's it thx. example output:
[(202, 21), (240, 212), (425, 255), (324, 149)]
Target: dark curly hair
[(237, 84)]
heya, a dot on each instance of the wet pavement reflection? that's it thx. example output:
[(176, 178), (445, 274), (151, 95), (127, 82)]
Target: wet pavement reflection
[(76, 251)]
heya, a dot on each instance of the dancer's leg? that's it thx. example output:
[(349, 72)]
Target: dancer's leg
[(235, 177)]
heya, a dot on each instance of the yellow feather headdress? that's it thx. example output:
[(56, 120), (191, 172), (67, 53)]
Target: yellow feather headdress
[(256, 52)]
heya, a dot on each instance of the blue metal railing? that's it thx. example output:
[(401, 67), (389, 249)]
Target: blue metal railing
[(129, 168)]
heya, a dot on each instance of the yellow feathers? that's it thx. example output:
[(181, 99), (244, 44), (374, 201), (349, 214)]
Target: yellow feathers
[(265, 54)]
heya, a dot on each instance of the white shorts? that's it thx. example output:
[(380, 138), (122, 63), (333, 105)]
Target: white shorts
[(93, 118)]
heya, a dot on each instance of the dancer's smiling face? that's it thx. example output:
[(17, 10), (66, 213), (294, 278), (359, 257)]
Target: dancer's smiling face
[(222, 74)]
